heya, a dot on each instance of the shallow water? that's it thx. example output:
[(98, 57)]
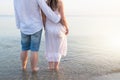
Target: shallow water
[(83, 62), (88, 58)]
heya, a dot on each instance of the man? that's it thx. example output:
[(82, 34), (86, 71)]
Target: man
[(29, 21)]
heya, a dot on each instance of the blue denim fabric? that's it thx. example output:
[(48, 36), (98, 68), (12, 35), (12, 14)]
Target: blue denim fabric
[(31, 42)]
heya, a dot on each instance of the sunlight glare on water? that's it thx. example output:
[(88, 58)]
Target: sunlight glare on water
[(113, 41)]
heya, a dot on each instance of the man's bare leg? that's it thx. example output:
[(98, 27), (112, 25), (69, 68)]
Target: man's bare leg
[(34, 61), (24, 59)]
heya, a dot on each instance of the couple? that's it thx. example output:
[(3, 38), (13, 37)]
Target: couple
[(31, 17)]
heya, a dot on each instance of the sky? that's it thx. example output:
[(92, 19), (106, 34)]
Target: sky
[(85, 8), (77, 7)]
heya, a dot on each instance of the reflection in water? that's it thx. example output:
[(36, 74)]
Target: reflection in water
[(46, 75), (25, 75), (34, 76), (29, 76)]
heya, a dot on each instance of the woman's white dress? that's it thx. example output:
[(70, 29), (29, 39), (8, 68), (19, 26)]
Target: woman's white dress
[(55, 40)]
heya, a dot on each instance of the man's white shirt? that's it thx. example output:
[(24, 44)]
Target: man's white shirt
[(28, 15)]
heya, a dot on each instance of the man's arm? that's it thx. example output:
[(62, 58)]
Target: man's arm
[(48, 11)]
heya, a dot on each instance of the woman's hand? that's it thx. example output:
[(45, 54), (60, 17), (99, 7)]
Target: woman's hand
[(67, 31)]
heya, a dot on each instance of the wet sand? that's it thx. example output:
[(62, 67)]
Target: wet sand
[(83, 62)]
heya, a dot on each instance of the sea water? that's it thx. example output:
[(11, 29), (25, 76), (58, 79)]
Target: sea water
[(93, 50)]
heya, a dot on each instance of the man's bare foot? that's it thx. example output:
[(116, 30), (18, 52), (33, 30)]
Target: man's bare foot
[(35, 69), (23, 68)]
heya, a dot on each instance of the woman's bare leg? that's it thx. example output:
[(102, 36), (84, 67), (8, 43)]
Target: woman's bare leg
[(56, 66), (51, 65)]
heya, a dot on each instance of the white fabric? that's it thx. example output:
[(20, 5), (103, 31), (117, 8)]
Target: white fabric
[(55, 40), (28, 16)]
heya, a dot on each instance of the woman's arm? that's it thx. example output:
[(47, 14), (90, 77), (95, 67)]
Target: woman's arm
[(63, 18)]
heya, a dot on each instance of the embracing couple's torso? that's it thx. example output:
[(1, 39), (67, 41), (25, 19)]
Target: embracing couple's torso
[(30, 19)]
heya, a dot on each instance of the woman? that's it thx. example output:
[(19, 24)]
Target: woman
[(55, 35)]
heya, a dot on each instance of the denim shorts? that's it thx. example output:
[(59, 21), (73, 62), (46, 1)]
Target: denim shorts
[(31, 42)]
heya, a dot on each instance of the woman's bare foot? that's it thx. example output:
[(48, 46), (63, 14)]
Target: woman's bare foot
[(51, 67), (56, 68)]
